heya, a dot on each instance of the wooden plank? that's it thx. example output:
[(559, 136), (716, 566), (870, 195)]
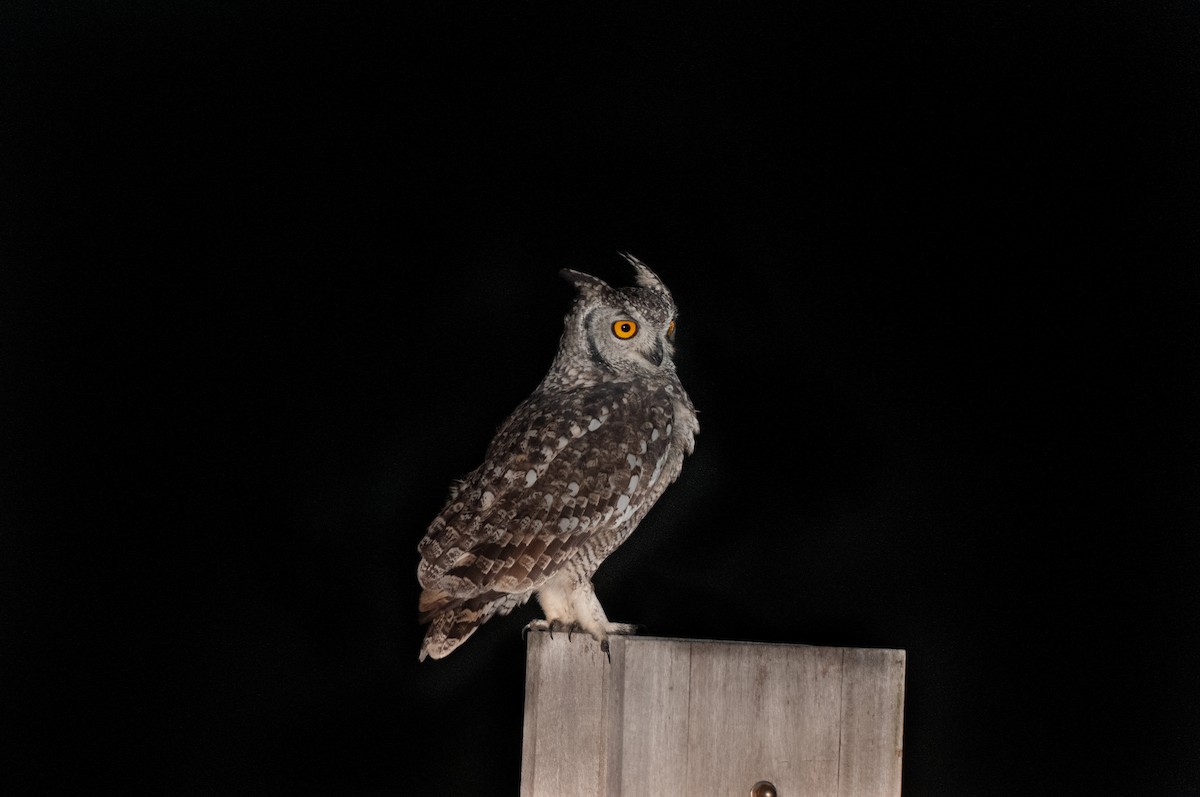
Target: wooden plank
[(566, 731), (656, 690), (763, 712), (872, 722), (702, 717), (614, 716)]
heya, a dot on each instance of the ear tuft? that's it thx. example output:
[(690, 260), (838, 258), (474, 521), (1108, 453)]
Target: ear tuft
[(582, 282), (645, 277)]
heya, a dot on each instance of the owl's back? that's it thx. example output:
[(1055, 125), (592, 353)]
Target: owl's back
[(569, 473)]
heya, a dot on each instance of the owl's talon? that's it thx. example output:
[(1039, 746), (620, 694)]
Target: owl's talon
[(559, 625), (535, 625), (607, 652)]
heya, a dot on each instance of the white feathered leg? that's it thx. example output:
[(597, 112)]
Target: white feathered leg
[(570, 604)]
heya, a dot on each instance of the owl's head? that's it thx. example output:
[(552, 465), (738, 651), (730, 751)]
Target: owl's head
[(621, 330)]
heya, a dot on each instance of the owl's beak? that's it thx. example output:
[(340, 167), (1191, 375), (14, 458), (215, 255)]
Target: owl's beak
[(656, 356)]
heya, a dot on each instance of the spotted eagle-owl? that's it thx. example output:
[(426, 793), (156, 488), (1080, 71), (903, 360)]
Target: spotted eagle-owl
[(568, 476)]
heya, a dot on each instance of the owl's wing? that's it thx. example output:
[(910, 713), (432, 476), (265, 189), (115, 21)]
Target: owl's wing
[(553, 480)]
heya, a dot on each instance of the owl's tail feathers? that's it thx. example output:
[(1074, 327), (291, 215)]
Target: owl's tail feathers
[(446, 632), (434, 600), (452, 620)]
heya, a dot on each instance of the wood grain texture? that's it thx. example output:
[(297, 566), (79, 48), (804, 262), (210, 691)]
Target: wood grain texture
[(763, 712), (702, 717), (872, 745), (656, 694), (565, 742)]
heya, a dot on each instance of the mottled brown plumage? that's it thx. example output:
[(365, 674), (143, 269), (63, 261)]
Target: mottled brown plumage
[(569, 474)]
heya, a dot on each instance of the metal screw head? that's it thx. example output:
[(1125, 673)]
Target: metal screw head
[(764, 788)]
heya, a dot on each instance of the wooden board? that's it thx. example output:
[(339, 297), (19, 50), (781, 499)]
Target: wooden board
[(701, 717)]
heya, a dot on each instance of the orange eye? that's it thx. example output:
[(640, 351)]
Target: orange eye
[(671, 329), (625, 329)]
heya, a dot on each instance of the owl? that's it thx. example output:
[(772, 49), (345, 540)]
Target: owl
[(568, 475)]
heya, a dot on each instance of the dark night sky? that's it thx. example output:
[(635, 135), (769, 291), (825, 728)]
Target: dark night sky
[(271, 274)]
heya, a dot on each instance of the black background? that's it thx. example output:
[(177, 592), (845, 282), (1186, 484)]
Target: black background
[(272, 273)]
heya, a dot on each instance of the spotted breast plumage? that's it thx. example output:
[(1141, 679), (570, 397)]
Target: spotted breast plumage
[(569, 474)]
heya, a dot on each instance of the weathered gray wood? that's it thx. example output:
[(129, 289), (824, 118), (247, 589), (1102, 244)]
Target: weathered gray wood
[(702, 717), (872, 722), (566, 733), (654, 739), (764, 712)]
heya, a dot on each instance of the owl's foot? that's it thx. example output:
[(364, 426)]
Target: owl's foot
[(549, 626)]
